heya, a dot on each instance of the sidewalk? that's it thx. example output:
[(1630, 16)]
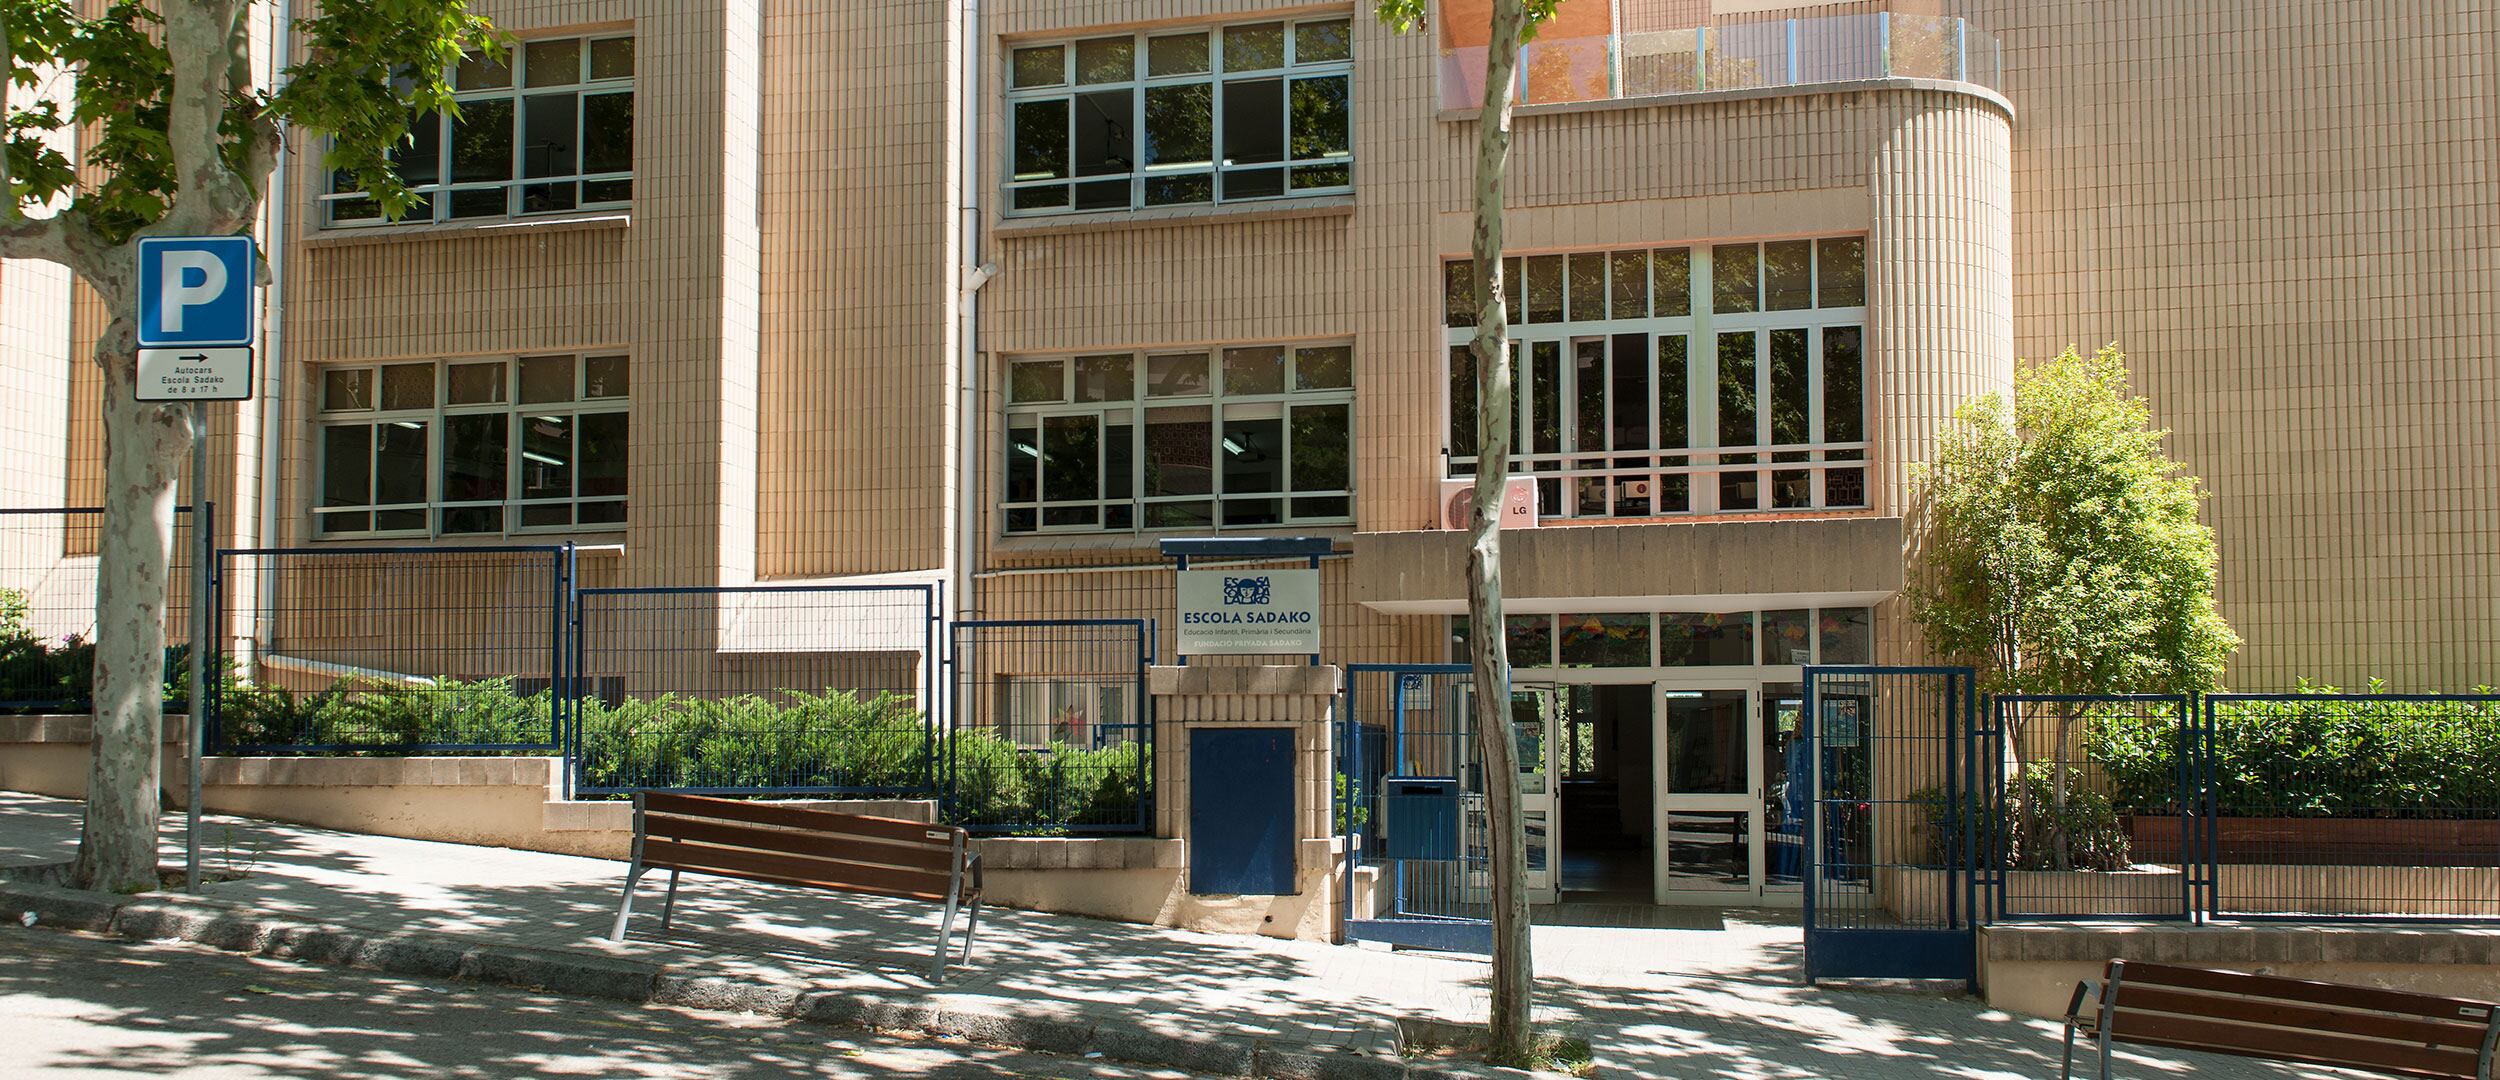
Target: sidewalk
[(1716, 1000)]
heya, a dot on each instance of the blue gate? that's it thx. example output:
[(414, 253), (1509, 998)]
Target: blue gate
[(1890, 847), (1411, 802)]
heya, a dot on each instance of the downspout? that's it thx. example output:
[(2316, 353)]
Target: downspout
[(971, 273), (272, 391)]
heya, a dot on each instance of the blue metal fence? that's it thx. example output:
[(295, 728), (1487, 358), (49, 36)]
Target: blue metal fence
[(1050, 726), (2072, 826), (48, 567)]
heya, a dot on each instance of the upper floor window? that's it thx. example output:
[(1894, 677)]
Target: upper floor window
[(548, 130), (1721, 379), (1249, 436), (472, 446), (1254, 111)]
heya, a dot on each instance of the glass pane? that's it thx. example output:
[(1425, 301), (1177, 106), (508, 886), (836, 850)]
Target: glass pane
[(474, 457), (1257, 47), (1024, 455), (1180, 190), (478, 71), (1458, 293), (1530, 640), (1254, 371), (1545, 398), (1785, 774), (350, 389), (1671, 282), (1071, 458), (604, 448), (1674, 410), (605, 377), (1119, 458), (420, 159), (1041, 139), (547, 457), (552, 63), (1736, 389), (477, 384), (607, 133), (1041, 65), (1840, 272), (1323, 367), (1104, 194), (1706, 751), (1106, 60), (1178, 54), (1705, 639), (481, 142), (1588, 381), (1254, 123), (1109, 377), (1180, 448), (1848, 636), (1037, 380), (1629, 393), (612, 58), (1180, 125), (1614, 640), (1527, 721), (1787, 637), (346, 465), (1254, 449), (1629, 291), (1513, 277), (1321, 124), (1709, 850), (1789, 408), (1176, 374), (548, 143), (546, 378), (1545, 288), (1462, 401), (1320, 445), (399, 464), (1321, 42), (1588, 286), (1102, 122), (408, 386), (1733, 284), (1788, 275), (1844, 409), (480, 202)]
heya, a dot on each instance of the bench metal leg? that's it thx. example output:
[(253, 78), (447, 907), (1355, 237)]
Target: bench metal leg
[(668, 906), (946, 935), (625, 907), (972, 921)]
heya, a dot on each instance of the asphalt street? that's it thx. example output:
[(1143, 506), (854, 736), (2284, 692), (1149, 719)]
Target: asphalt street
[(74, 1005)]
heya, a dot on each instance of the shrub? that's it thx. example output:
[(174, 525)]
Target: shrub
[(387, 717), (2318, 755)]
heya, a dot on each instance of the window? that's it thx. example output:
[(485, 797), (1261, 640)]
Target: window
[(1791, 638), (1038, 712), (1188, 439), (549, 129), (1254, 111), (1665, 381), (466, 447)]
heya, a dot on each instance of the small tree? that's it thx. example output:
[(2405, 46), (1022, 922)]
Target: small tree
[(1514, 971), (179, 142), (2063, 550)]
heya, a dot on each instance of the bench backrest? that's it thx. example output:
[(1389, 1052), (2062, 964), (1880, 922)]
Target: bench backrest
[(2299, 1020), (794, 845)]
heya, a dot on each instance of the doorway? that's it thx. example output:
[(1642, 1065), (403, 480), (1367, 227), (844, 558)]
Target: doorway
[(1608, 788)]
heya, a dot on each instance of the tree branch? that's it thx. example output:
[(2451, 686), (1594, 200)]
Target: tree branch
[(66, 239), (211, 199)]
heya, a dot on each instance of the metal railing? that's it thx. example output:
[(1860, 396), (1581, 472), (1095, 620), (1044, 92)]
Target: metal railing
[(1051, 728), (2091, 807), (1637, 61), (48, 581)]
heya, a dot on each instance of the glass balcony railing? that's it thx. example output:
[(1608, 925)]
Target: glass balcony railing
[(1735, 55)]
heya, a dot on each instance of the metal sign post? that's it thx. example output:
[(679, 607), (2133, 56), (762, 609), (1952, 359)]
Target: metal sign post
[(197, 322)]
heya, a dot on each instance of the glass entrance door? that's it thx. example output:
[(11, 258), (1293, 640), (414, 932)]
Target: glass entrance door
[(1710, 801), (1536, 713)]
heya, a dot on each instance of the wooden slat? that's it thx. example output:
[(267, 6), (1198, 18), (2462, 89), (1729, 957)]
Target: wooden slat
[(2248, 1040), (770, 879), (2303, 990), (925, 857), (793, 869), (799, 817), (2374, 1025)]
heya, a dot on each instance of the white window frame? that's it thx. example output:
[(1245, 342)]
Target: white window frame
[(1216, 402), (439, 196), (436, 419), (1141, 174), (1564, 476)]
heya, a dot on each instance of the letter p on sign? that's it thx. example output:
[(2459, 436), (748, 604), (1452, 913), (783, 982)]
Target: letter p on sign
[(196, 290)]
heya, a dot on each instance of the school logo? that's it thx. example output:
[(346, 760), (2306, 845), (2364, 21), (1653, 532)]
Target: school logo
[(1251, 591)]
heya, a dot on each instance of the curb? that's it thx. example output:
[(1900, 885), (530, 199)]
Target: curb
[(233, 928)]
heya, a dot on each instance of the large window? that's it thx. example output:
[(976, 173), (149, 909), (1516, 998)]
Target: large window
[(1795, 637), (1254, 111), (1186, 439), (472, 446), (550, 129), (1655, 382)]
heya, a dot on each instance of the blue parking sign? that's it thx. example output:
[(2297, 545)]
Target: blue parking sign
[(196, 290)]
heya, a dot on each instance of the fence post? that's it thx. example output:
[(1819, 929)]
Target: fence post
[(569, 660)]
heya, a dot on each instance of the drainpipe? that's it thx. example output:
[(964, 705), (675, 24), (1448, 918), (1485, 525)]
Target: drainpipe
[(272, 390), (971, 273)]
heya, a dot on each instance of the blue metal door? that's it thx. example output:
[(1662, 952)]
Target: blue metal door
[(1411, 804), (1241, 836), (1889, 890)]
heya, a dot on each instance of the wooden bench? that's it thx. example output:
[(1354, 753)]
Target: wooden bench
[(2391, 1032), (821, 849)]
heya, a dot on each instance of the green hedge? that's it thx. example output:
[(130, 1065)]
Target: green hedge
[(2317, 755)]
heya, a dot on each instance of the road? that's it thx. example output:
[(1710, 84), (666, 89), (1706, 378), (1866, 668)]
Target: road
[(74, 1005)]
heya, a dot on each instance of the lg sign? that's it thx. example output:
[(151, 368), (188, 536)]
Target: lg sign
[(195, 290)]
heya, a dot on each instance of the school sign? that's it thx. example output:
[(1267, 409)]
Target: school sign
[(1231, 611)]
